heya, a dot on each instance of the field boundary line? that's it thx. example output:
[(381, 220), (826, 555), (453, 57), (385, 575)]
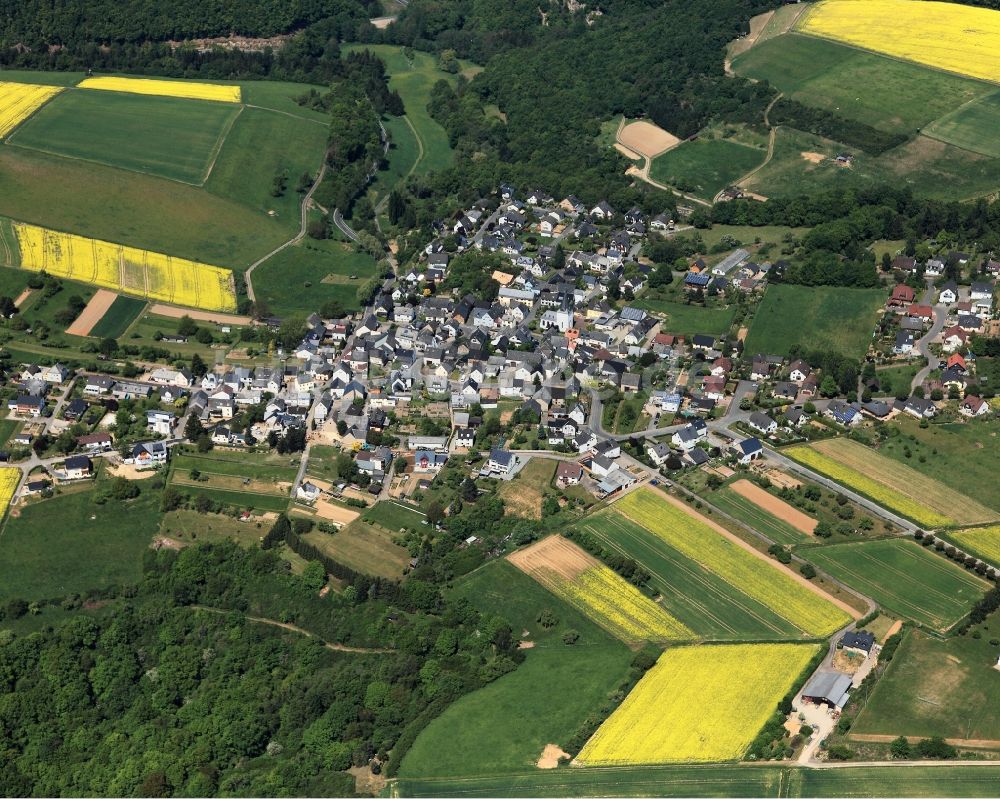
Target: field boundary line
[(287, 114), (220, 142)]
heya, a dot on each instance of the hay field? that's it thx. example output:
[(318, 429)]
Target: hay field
[(597, 592), (948, 36), (698, 704), (165, 88), (18, 101), (114, 266), (895, 485)]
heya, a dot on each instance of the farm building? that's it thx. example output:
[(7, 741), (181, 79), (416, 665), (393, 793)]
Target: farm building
[(730, 262), (828, 688), (862, 642)]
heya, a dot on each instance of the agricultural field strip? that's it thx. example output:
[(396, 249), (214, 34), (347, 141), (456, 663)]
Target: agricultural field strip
[(126, 269), (983, 542), (621, 524), (909, 481), (257, 486), (806, 607), (747, 511), (244, 468), (191, 90), (877, 490), (10, 477), (954, 38), (596, 591), (18, 101), (667, 716), (876, 586)]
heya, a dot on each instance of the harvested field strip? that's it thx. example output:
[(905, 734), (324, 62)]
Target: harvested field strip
[(165, 88), (903, 577), (983, 542), (782, 591), (597, 592), (98, 306), (700, 598), (897, 486), (646, 138), (116, 266), (668, 718), (775, 506), (18, 101)]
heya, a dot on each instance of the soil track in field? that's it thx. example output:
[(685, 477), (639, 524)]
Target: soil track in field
[(775, 506)]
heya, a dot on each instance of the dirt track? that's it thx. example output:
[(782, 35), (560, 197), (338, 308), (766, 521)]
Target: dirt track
[(776, 507), (173, 312), (93, 313), (22, 297)]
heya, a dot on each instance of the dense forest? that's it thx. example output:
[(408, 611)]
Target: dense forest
[(38, 24), (161, 697)]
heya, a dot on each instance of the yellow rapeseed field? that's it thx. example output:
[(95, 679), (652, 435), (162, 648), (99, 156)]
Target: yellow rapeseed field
[(115, 266), (620, 607), (18, 101), (956, 38), (9, 478), (165, 88), (754, 576), (898, 487), (983, 542), (698, 704)]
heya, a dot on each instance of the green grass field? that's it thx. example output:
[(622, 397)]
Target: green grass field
[(701, 599), (748, 234), (45, 78), (320, 269), (896, 378), (882, 92), (192, 527), (962, 456), (249, 160), (241, 464), (68, 544), (723, 781), (937, 687), (971, 126), (171, 137), (816, 317), (504, 726), (929, 167), (404, 152), (392, 515), (414, 81), (122, 313), (366, 548), (903, 577), (756, 517), (689, 319), (250, 500), (705, 167)]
